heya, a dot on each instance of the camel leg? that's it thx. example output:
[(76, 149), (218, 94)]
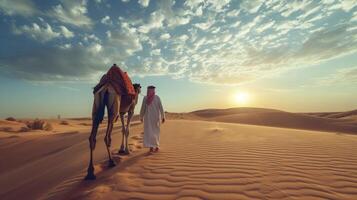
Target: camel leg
[(122, 150), (92, 142), (97, 116), (130, 115), (107, 141)]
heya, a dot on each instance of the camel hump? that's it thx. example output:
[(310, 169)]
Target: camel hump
[(119, 80)]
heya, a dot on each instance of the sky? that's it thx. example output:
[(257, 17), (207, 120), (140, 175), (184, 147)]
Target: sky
[(292, 55)]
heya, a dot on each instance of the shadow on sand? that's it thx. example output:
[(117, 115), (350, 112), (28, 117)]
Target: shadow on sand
[(103, 172)]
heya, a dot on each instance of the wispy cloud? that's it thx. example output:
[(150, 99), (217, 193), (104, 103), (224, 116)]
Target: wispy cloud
[(53, 64), (37, 32), (71, 12), (42, 31), (106, 20), (18, 7), (219, 42), (144, 3), (347, 75)]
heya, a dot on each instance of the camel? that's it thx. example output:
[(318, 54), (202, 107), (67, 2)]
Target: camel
[(107, 95)]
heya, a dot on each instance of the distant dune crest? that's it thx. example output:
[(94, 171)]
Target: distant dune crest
[(340, 122)]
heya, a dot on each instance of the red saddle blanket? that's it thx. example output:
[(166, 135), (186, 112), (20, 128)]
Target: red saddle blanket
[(119, 80), (128, 84)]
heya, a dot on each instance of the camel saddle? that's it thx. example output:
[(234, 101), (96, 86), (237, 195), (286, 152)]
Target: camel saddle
[(119, 80)]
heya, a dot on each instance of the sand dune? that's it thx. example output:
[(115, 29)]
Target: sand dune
[(33, 163), (205, 154), (276, 118), (211, 113), (337, 115), (209, 160)]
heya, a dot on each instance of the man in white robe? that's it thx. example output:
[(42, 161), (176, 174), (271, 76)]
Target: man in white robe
[(152, 113)]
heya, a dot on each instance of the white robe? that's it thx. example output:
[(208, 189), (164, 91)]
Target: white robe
[(152, 115)]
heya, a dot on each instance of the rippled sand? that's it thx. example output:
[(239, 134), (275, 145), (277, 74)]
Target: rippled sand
[(210, 160)]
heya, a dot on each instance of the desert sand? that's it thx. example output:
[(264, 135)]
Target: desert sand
[(35, 161), (344, 122), (201, 157), (209, 160)]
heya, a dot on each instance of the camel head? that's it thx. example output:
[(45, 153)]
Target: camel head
[(137, 88)]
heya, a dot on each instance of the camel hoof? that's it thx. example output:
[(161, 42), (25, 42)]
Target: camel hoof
[(111, 163), (90, 177), (127, 152), (121, 151)]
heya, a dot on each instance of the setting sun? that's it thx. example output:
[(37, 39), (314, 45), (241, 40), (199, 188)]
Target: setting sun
[(242, 98)]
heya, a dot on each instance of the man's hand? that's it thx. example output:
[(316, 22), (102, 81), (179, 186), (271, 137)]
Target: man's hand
[(163, 120)]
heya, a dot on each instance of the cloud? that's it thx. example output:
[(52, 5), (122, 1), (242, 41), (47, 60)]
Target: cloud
[(53, 64), (346, 75), (144, 3), (310, 12), (91, 38), (210, 41), (204, 25), (290, 8), (244, 63), (125, 41), (176, 21), (328, 43), (66, 33), (183, 37), (328, 2), (156, 52), (155, 21), (233, 13), (347, 5), (193, 3), (173, 17), (165, 15), (153, 66), (218, 5), (199, 11), (106, 20), (165, 36), (37, 32), (265, 26), (18, 7), (251, 6), (95, 48), (44, 32), (72, 12)]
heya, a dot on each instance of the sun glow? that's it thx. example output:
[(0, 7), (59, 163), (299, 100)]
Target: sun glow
[(242, 98)]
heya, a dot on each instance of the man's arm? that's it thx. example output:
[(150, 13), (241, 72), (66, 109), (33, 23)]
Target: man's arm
[(143, 109), (161, 111)]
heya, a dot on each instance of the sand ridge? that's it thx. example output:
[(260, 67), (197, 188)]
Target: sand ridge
[(208, 160), (39, 162), (345, 123), (214, 158)]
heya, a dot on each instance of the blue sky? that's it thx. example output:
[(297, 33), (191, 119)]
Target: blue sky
[(293, 55)]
